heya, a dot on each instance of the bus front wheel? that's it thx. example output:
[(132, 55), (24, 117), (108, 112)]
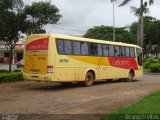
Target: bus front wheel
[(89, 79), (130, 76)]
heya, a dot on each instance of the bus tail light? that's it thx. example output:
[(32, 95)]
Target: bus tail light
[(49, 69)]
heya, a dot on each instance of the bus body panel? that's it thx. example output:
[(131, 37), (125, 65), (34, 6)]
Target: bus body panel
[(74, 68), (42, 56), (36, 58)]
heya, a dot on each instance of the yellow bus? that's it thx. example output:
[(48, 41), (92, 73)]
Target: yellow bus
[(66, 59)]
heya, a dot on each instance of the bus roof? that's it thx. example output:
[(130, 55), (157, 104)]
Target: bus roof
[(88, 40)]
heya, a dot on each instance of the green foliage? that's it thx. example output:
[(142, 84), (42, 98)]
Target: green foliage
[(155, 67), (12, 20), (153, 64), (4, 71), (148, 105), (106, 33), (40, 14), (11, 4), (150, 62), (30, 19), (7, 71), (11, 77), (133, 28), (146, 70), (16, 70), (151, 24), (150, 38), (100, 32), (11, 23)]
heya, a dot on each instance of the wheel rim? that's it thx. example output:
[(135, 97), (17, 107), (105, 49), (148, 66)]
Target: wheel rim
[(89, 79), (130, 76)]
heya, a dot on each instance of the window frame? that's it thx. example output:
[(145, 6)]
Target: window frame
[(79, 46), (118, 51), (103, 50), (121, 48), (90, 50), (81, 49), (57, 46), (65, 47), (109, 51), (133, 52)]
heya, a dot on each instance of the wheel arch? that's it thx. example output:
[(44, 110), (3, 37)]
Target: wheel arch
[(92, 71), (132, 70)]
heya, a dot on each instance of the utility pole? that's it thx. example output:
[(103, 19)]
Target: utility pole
[(113, 21)]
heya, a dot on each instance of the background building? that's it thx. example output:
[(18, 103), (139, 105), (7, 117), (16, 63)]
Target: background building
[(5, 53), (17, 52)]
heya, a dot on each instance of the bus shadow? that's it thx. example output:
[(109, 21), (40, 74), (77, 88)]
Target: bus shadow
[(113, 81), (60, 87), (57, 87)]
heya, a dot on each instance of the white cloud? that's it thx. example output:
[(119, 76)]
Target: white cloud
[(79, 15)]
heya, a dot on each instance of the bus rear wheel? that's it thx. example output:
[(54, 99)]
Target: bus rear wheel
[(89, 79), (130, 76)]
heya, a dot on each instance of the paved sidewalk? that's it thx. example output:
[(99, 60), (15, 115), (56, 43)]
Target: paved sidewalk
[(6, 66)]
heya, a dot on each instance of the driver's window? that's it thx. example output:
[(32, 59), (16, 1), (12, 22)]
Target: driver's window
[(139, 56)]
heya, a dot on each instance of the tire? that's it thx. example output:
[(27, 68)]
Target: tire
[(89, 79), (130, 76)]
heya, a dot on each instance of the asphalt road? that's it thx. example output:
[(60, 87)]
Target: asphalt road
[(31, 97)]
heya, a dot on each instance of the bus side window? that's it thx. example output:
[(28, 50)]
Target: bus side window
[(105, 50), (93, 49), (132, 52), (84, 48), (111, 50), (76, 48), (127, 52), (68, 47), (116, 51), (99, 49), (122, 51), (60, 46), (139, 56)]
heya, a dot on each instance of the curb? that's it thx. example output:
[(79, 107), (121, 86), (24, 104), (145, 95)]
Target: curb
[(152, 73)]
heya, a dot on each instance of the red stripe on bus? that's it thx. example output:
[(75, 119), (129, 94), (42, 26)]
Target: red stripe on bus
[(126, 63), (39, 44)]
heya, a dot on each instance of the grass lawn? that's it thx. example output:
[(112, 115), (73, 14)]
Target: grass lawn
[(6, 76), (149, 106)]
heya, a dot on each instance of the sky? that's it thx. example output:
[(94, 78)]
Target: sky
[(80, 15)]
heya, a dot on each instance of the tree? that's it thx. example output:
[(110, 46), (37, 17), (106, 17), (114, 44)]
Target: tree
[(14, 18), (40, 14), (140, 11), (8, 23), (151, 39), (105, 33), (11, 4)]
